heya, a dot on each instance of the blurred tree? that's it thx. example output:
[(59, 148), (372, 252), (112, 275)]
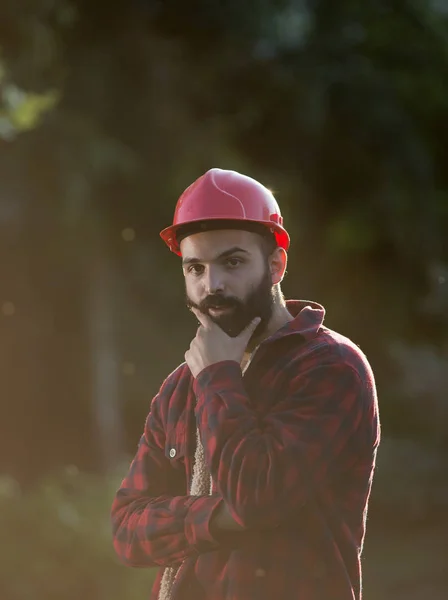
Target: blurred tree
[(341, 108)]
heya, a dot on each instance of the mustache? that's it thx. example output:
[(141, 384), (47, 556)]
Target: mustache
[(217, 301)]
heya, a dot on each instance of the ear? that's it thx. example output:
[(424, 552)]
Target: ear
[(278, 262)]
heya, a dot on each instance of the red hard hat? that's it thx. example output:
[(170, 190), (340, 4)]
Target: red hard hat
[(226, 195)]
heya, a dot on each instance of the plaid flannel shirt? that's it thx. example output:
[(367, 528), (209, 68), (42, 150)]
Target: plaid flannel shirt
[(291, 447)]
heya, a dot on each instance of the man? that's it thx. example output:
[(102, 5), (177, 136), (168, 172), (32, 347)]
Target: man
[(253, 473)]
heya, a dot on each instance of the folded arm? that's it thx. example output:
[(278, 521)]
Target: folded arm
[(266, 468)]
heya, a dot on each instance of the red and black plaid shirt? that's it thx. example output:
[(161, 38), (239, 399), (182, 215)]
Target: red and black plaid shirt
[(291, 447)]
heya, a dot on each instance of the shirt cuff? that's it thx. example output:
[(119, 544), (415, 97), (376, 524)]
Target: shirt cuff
[(197, 522), (217, 373)]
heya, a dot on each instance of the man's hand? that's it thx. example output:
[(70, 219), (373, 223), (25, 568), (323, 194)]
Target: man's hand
[(222, 520), (212, 345)]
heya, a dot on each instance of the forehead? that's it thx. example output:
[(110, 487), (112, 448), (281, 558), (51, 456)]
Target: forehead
[(208, 245)]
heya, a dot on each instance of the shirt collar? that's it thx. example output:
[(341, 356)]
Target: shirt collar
[(308, 319)]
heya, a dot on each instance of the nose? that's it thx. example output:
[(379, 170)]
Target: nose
[(213, 281)]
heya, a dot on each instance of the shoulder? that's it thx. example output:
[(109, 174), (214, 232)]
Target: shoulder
[(167, 404), (174, 388), (344, 350), (329, 350), (180, 376), (177, 381), (355, 368)]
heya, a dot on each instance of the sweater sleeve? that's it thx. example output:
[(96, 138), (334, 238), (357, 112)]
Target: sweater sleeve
[(150, 526)]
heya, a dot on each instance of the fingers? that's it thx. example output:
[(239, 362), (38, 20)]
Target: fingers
[(204, 320)]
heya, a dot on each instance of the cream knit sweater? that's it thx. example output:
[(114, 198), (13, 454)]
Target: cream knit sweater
[(201, 485)]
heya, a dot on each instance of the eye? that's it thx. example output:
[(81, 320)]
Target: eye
[(233, 262), (196, 269)]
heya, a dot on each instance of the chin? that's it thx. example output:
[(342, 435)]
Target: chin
[(232, 329)]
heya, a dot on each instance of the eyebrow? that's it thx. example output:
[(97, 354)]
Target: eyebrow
[(234, 250)]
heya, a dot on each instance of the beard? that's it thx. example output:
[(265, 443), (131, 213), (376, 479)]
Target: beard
[(259, 303)]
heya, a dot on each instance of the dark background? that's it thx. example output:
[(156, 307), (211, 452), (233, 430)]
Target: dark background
[(107, 112)]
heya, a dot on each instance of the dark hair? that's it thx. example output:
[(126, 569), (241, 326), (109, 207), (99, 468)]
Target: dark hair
[(269, 243)]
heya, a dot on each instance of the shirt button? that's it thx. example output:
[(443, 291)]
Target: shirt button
[(173, 452)]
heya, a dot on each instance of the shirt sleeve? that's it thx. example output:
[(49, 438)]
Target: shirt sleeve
[(150, 526), (266, 467)]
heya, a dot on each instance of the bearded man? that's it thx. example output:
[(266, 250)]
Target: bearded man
[(253, 473)]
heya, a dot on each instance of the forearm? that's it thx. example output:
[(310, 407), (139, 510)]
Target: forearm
[(152, 524), (162, 530)]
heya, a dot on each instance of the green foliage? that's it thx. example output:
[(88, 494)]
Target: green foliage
[(110, 110), (56, 538), (410, 484), (23, 111), (57, 542), (351, 234), (340, 107)]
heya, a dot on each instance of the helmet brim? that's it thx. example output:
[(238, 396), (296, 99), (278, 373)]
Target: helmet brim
[(169, 234)]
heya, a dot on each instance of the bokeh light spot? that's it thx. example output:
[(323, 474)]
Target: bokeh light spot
[(128, 234), (129, 369), (8, 309)]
